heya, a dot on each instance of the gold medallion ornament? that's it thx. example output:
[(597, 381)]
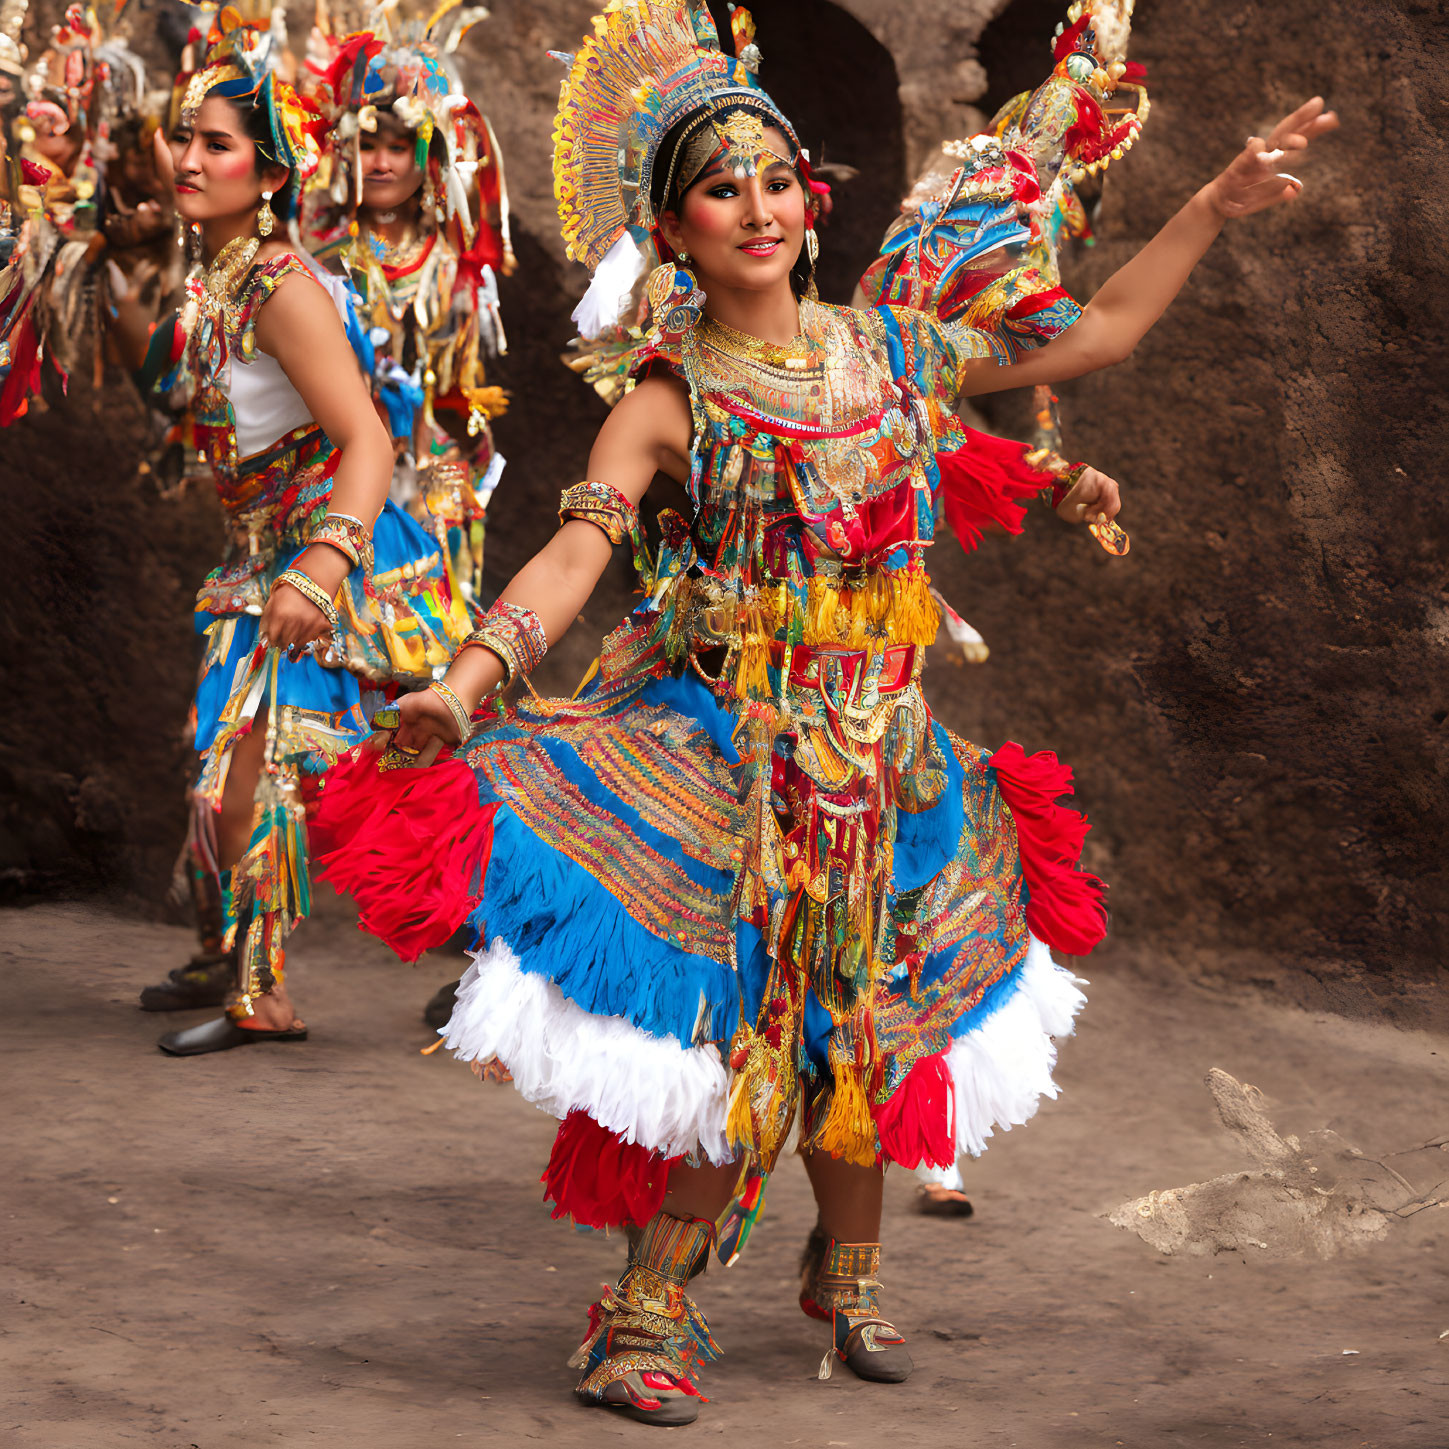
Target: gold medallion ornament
[(230, 265)]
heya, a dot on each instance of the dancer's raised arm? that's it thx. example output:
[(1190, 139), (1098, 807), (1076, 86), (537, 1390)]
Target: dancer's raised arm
[(1135, 296)]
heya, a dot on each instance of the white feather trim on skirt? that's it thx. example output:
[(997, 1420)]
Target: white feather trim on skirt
[(1003, 1068), (672, 1099), (648, 1089)]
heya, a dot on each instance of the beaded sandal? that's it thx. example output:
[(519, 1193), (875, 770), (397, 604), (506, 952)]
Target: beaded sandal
[(838, 1286), (646, 1336)]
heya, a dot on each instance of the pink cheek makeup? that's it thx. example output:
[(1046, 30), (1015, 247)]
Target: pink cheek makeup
[(232, 166)]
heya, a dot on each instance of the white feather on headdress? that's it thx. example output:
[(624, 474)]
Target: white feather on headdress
[(614, 281)]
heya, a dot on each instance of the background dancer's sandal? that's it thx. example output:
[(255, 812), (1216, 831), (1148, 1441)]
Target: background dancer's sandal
[(839, 1286), (221, 1035), (933, 1200), (206, 980), (645, 1338)]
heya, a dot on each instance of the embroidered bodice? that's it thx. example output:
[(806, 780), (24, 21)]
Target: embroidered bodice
[(244, 406)]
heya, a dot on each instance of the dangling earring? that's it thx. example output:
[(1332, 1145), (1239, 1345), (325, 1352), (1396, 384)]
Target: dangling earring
[(686, 280), (265, 218), (812, 250), (675, 300)]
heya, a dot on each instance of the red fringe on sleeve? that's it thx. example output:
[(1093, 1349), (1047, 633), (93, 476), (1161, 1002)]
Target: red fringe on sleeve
[(985, 484)]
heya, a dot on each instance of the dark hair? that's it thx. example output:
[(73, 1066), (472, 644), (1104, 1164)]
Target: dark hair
[(389, 123), (801, 273), (257, 127)]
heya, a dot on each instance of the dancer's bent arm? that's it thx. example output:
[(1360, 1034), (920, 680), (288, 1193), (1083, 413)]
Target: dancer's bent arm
[(1135, 296), (647, 433), (299, 326)]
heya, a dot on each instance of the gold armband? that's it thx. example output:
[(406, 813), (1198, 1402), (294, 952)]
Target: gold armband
[(602, 505)]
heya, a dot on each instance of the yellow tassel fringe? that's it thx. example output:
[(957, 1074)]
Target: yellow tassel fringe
[(886, 610), (848, 1130)]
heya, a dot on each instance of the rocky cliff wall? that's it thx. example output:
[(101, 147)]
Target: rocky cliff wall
[(1254, 699)]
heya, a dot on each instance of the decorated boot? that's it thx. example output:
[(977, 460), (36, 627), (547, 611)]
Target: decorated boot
[(645, 1334), (838, 1285)]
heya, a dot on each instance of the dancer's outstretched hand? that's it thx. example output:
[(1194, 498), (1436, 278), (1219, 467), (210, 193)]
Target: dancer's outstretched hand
[(1256, 180)]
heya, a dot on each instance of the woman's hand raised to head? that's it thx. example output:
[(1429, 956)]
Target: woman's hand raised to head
[(1254, 181)]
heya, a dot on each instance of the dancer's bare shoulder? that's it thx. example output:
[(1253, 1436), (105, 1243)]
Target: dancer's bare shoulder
[(649, 431)]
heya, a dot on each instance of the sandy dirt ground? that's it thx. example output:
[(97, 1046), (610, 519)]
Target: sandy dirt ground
[(342, 1243)]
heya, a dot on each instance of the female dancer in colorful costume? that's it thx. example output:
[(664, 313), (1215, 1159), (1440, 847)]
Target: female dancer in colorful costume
[(745, 880), (409, 198), (327, 594)]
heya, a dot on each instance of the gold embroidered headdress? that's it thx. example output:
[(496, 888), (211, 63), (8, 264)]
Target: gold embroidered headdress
[(241, 64), (648, 67)]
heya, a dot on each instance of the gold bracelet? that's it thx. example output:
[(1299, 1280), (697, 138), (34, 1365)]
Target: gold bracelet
[(455, 708), (310, 590), (515, 634)]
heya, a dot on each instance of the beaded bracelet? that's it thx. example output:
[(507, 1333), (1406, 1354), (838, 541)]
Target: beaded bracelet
[(1064, 474), (350, 536), (310, 590), (1065, 482), (455, 708), (515, 635)]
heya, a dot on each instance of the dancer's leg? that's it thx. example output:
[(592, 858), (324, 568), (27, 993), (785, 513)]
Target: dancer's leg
[(646, 1337), (700, 1192), (839, 1270), (261, 850), (271, 1010), (848, 1197)]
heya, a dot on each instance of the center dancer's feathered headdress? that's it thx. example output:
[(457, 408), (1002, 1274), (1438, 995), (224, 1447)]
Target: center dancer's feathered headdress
[(649, 66)]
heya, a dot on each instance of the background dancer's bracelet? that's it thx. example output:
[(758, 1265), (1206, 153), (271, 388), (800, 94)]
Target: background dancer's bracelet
[(312, 591), (349, 535)]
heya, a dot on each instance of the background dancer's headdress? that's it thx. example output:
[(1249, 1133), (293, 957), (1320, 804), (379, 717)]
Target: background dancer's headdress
[(650, 67), (1071, 120), (406, 66)]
